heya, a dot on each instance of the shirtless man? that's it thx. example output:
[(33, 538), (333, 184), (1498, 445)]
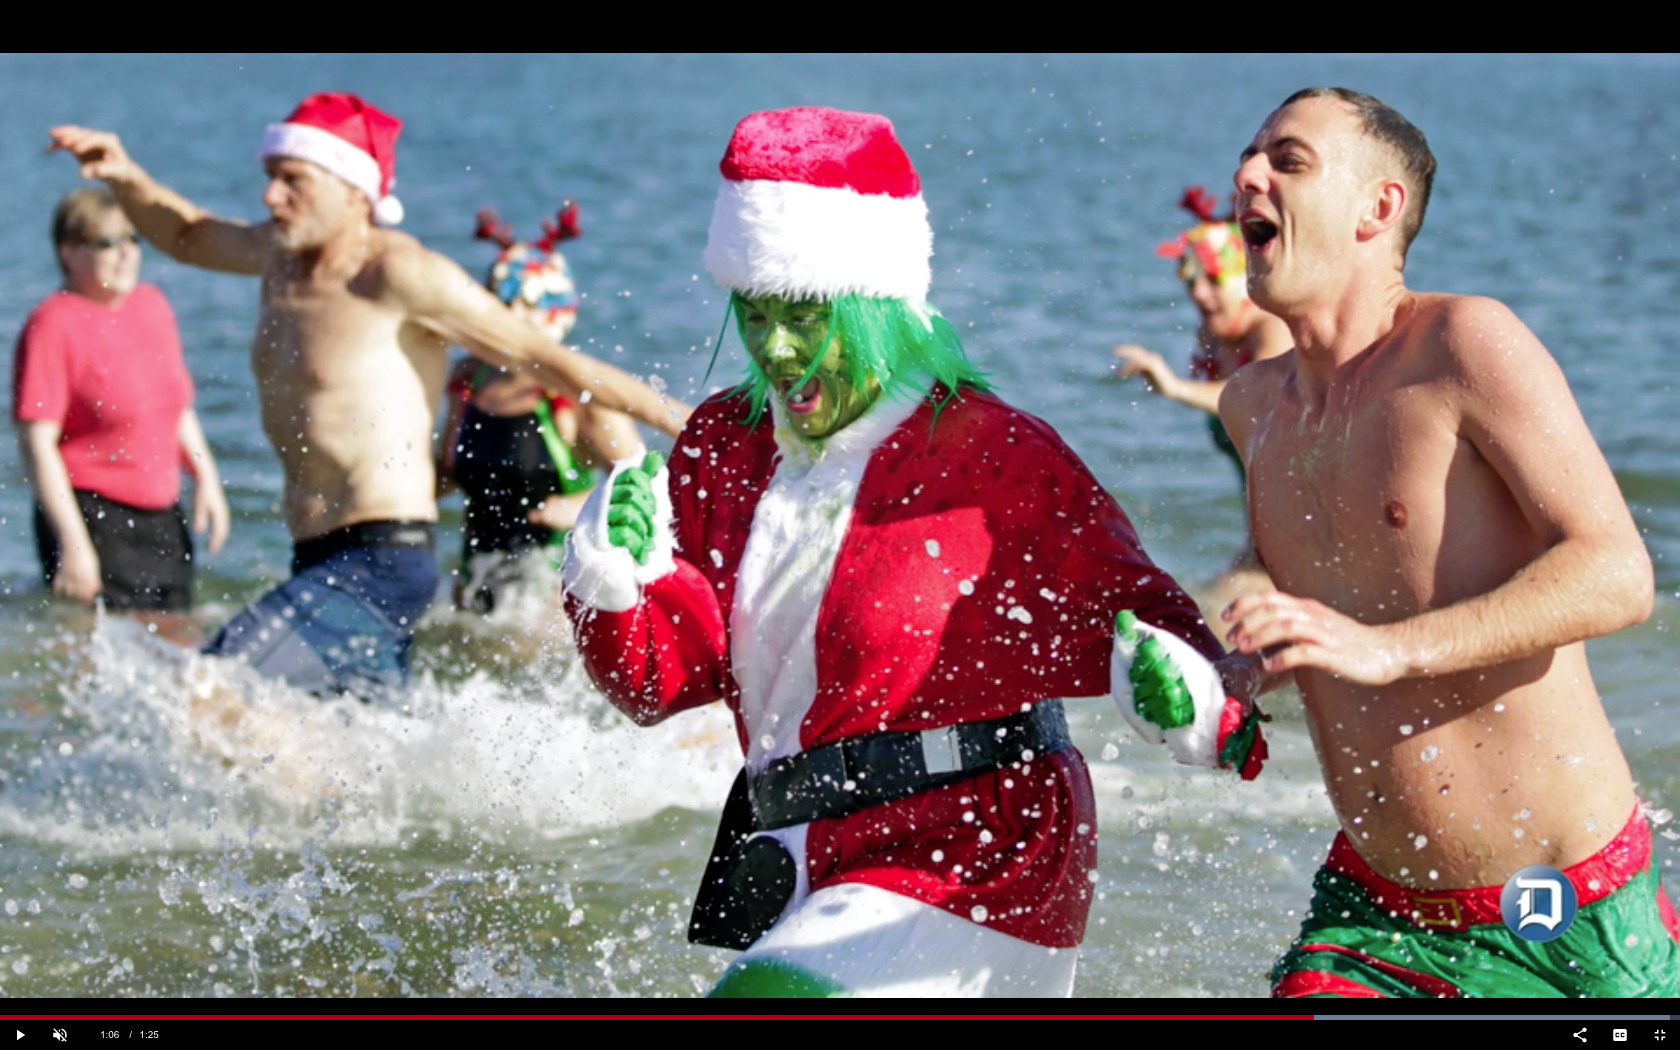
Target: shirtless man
[(350, 352), (1444, 535)]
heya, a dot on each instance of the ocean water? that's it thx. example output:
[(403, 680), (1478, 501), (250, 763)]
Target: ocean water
[(509, 833)]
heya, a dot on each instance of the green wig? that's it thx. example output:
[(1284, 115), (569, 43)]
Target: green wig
[(895, 343)]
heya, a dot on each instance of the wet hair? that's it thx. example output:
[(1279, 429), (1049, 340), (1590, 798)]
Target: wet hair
[(79, 209), (1381, 122), (889, 340)]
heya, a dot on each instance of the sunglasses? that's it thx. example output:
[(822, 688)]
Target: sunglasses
[(100, 244)]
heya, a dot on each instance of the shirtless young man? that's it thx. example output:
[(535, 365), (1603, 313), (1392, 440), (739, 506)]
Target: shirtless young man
[(1444, 535), (349, 353)]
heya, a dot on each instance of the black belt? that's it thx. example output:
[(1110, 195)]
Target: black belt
[(850, 775), (412, 535)]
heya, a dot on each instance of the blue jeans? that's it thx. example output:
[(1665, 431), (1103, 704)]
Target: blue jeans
[(344, 622)]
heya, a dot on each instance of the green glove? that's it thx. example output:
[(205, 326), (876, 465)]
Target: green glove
[(631, 511), (1158, 690)]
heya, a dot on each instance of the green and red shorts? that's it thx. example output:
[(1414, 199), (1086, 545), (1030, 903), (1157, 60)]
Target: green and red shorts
[(1369, 938)]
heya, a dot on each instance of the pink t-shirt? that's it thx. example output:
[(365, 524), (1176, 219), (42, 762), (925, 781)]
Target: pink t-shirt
[(115, 380)]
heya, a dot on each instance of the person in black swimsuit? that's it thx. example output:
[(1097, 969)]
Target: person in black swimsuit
[(524, 459)]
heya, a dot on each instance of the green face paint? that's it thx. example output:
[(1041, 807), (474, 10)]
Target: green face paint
[(796, 346)]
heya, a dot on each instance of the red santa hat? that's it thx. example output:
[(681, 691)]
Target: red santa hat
[(349, 138), (817, 203)]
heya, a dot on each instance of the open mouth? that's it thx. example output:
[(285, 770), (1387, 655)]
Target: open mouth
[(799, 399), (1258, 232)]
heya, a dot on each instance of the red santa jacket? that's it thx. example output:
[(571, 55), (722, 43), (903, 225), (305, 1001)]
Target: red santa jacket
[(939, 565)]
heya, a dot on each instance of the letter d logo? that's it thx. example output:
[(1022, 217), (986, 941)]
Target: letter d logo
[(1538, 904)]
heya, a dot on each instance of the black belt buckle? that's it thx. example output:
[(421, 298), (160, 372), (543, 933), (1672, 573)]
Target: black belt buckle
[(853, 774), (748, 882)]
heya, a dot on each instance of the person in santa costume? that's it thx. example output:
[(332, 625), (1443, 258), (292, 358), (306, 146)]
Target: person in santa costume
[(890, 576), (350, 351)]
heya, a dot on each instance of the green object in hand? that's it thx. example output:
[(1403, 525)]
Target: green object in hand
[(1158, 690), (1234, 755), (631, 512)]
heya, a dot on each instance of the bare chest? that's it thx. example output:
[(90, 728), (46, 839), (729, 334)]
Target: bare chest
[(1348, 503), (311, 338)]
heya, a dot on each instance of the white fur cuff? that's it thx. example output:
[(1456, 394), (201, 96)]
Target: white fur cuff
[(1196, 744), (606, 577)]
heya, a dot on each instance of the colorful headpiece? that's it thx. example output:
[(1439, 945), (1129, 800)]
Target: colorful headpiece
[(347, 137), (1215, 243), (818, 203), (535, 274)]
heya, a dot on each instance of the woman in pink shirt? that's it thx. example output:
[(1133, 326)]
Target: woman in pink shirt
[(103, 404)]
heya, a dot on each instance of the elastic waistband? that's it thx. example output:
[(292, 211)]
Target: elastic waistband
[(1595, 878), (850, 775), (409, 535)]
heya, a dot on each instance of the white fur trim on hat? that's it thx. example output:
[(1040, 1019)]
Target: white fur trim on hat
[(328, 151), (795, 240)]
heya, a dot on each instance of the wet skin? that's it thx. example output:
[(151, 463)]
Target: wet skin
[(784, 337), (1442, 530)]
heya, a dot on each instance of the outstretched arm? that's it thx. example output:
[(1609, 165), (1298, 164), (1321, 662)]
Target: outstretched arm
[(1593, 578), (440, 297), (1269, 338), (607, 436), (1132, 361), (181, 229)]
